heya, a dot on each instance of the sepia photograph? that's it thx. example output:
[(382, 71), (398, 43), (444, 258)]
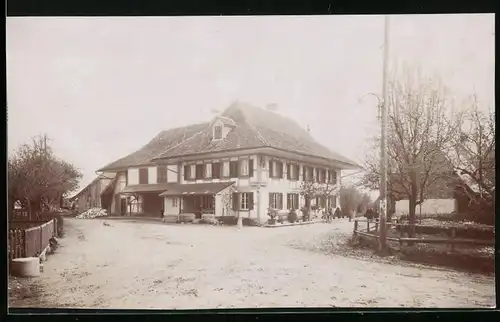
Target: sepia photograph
[(242, 162)]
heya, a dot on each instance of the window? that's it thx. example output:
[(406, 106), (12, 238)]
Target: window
[(207, 202), (208, 170), (174, 202), (217, 132), (322, 175), (332, 176), (244, 168), (216, 170), (276, 169), (225, 169), (233, 169), (243, 201), (162, 172), (143, 176), (199, 171), (275, 200), (292, 201), (308, 174), (292, 171)]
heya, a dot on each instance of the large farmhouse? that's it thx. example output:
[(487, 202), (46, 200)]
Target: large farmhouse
[(242, 162)]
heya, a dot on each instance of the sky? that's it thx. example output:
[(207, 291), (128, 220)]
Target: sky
[(102, 87)]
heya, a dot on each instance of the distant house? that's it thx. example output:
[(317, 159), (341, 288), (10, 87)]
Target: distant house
[(97, 194), (446, 194), (241, 162)]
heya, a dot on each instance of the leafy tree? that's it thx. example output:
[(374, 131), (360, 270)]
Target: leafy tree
[(37, 178)]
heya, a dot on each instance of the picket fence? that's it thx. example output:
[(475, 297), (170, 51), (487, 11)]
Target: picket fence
[(30, 241)]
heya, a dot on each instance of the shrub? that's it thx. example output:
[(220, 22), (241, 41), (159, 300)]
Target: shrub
[(292, 216), (227, 220)]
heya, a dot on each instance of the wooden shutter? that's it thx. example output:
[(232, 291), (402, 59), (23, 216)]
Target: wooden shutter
[(186, 172), (250, 168), (271, 174), (216, 170), (143, 176), (304, 172), (270, 200), (280, 200), (235, 201), (199, 171), (296, 203), (250, 200), (233, 169), (288, 174)]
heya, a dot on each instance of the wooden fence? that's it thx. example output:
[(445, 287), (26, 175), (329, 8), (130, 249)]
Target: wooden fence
[(372, 231), (30, 241)]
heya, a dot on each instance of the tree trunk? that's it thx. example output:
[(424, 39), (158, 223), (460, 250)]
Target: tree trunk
[(412, 217)]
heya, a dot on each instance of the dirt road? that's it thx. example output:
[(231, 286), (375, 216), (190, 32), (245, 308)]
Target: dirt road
[(150, 265)]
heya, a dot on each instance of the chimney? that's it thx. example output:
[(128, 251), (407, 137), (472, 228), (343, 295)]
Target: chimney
[(272, 107)]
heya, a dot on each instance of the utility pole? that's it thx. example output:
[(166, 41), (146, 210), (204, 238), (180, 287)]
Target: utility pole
[(383, 146)]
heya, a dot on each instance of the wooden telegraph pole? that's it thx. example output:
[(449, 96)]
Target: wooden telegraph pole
[(383, 146)]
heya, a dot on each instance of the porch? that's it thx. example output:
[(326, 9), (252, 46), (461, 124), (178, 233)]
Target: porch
[(172, 199)]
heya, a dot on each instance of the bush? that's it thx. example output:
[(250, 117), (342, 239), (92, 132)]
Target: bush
[(228, 220), (292, 216)]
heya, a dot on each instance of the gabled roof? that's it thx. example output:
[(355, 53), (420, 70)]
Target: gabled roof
[(101, 176), (163, 141), (255, 128)]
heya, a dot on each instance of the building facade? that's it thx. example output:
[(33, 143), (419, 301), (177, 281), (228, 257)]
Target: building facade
[(241, 163)]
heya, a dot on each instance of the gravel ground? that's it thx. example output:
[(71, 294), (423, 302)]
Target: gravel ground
[(151, 265)]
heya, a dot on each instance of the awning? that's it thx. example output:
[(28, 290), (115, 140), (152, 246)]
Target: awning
[(196, 188), (147, 188)]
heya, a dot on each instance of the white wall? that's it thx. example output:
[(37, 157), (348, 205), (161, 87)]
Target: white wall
[(430, 206), (133, 176), (172, 174)]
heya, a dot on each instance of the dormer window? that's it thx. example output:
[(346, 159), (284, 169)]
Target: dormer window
[(217, 132), (221, 128)]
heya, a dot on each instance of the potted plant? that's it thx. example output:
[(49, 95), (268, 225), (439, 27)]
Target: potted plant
[(272, 213), (292, 216)]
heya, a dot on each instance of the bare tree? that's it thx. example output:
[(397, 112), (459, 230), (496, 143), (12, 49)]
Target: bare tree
[(473, 155), (419, 130)]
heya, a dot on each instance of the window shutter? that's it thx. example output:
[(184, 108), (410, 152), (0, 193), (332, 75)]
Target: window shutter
[(296, 203), (250, 200), (235, 201), (304, 178), (288, 167), (280, 196), (186, 172), (250, 168), (270, 200), (271, 168), (282, 169)]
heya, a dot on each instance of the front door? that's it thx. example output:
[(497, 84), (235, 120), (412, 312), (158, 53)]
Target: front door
[(123, 206)]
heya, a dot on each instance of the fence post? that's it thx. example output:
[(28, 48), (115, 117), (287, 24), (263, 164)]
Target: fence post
[(453, 232), (376, 226), (24, 244), (401, 235), (40, 248), (355, 226), (367, 225)]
